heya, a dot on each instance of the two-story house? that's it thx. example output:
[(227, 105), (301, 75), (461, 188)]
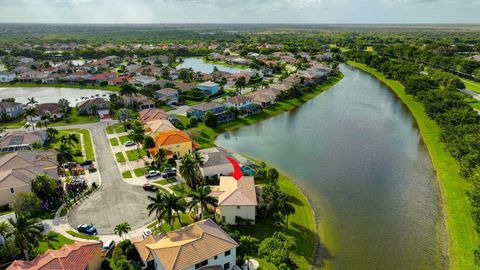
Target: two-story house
[(175, 142), (167, 95), (199, 110), (10, 109), (7, 76), (209, 87)]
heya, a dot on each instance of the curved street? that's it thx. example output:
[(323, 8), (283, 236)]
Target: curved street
[(115, 201)]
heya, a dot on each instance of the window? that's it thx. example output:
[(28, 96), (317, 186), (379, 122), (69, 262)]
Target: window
[(238, 206), (12, 191), (227, 253), (216, 257), (226, 266), (201, 264)]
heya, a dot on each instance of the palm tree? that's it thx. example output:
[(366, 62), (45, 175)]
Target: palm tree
[(64, 104), (201, 196), (69, 139), (32, 102), (51, 238), (198, 158), (160, 157), (5, 229), (44, 186), (286, 210), (52, 133), (137, 134), (128, 90), (164, 205), (64, 154), (122, 229), (30, 112), (240, 84), (25, 233), (190, 170), (124, 115)]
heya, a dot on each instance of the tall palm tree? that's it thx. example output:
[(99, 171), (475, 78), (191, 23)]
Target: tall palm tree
[(64, 104), (29, 112), (128, 90), (52, 133), (25, 233), (201, 196), (51, 238), (69, 139), (44, 186), (124, 115), (159, 157), (64, 154), (164, 205), (190, 170), (137, 134), (122, 229), (5, 229), (287, 210), (198, 158), (32, 102)]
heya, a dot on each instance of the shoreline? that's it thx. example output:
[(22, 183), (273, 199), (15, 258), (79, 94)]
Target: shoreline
[(456, 209), (60, 85)]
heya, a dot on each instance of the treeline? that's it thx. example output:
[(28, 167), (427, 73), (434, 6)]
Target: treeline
[(459, 123)]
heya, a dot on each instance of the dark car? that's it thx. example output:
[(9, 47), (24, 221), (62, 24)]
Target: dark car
[(150, 187), (87, 163), (169, 173), (87, 229)]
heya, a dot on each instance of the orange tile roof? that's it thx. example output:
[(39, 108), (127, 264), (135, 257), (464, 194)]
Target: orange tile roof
[(171, 137), (70, 257)]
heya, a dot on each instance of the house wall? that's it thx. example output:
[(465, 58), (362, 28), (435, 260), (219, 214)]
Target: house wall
[(96, 262), (220, 260), (231, 211), (178, 149), (211, 89), (6, 195)]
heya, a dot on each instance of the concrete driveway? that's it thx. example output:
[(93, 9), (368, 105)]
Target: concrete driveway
[(116, 201)]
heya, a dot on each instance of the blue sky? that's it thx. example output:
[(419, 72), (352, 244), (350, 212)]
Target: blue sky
[(240, 11)]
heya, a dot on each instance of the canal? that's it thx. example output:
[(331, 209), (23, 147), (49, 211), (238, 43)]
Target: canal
[(357, 153)]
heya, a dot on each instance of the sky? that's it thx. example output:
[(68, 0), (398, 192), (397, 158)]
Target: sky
[(240, 11)]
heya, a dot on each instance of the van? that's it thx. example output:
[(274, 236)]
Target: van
[(107, 247)]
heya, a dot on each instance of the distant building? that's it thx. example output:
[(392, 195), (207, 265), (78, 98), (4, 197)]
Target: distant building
[(7, 76), (168, 95), (209, 87), (152, 114), (140, 102), (10, 109), (199, 110), (94, 106), (22, 140)]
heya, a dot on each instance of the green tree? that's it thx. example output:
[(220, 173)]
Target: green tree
[(5, 229), (164, 205), (128, 90), (190, 170), (25, 233), (272, 175), (69, 139), (192, 122), (210, 119), (64, 104), (159, 158), (50, 238), (122, 229), (137, 134), (25, 203), (64, 154), (124, 115), (201, 197), (286, 209), (30, 112), (44, 186), (277, 248), (148, 143)]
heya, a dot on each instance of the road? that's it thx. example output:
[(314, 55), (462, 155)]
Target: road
[(115, 201)]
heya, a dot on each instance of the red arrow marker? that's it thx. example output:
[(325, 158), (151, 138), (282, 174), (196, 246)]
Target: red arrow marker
[(237, 172)]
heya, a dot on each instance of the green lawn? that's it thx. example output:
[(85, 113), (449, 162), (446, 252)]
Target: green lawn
[(83, 236), (114, 141), (207, 135), (17, 123), (183, 118), (73, 118), (462, 238), (166, 108), (120, 157), (139, 172), (116, 128), (180, 189), (127, 174), (176, 225), (132, 155), (62, 240), (124, 139), (471, 85), (86, 138), (75, 146), (61, 85), (166, 181)]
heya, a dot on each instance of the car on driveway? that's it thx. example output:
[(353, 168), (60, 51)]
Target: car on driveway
[(129, 143), (152, 173), (150, 187), (107, 247), (87, 229), (147, 232), (169, 173)]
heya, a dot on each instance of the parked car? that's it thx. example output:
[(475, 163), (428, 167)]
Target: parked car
[(169, 173), (107, 247), (87, 163), (129, 143), (69, 165), (147, 232), (87, 229), (152, 173), (150, 187)]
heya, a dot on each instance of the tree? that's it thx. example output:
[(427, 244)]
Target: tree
[(25, 203), (25, 233), (210, 119), (124, 115), (240, 84), (128, 90), (52, 133), (64, 104), (164, 205), (137, 134), (272, 174), (30, 112), (248, 246), (64, 154), (148, 142), (122, 229), (159, 157), (192, 122), (190, 170), (5, 229), (32, 102), (50, 238), (201, 196), (277, 248), (44, 186), (286, 209)]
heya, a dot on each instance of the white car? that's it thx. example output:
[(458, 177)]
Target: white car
[(129, 143), (147, 232), (152, 173)]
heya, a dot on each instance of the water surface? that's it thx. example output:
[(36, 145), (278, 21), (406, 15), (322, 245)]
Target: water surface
[(197, 64), (50, 94), (359, 155)]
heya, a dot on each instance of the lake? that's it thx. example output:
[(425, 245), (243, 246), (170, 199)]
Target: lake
[(197, 64), (358, 154), (50, 94)]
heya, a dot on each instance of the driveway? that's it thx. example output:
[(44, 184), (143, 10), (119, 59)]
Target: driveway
[(116, 201)]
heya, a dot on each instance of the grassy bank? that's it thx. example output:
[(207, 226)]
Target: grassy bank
[(462, 238), (206, 135), (223, 63), (61, 85)]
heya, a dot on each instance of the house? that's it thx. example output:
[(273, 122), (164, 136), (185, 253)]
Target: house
[(102, 78), (7, 76), (9, 110), (140, 102), (237, 199), (199, 110), (168, 95), (201, 245), (152, 114), (209, 87), (265, 97), (176, 143), (93, 106), (77, 256), (214, 162), (239, 102), (154, 127), (78, 76), (184, 86), (120, 80), (142, 80), (30, 76), (21, 140), (53, 110), (18, 169)]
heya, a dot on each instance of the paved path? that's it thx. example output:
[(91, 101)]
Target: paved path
[(115, 201)]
